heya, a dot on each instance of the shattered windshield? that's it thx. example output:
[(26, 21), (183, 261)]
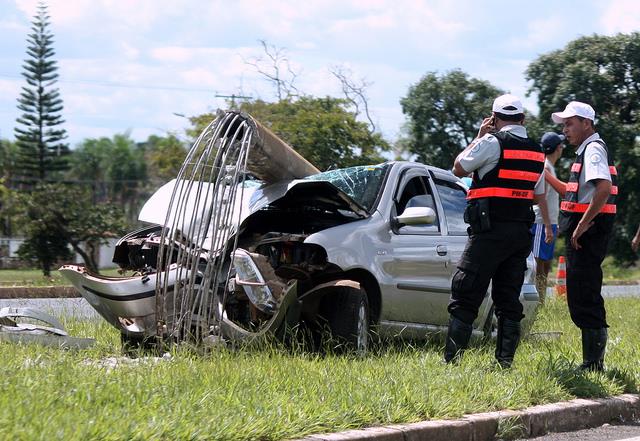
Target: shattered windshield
[(361, 183)]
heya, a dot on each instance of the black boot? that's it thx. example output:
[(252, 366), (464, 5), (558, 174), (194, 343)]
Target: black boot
[(507, 341), (594, 342), (457, 339)]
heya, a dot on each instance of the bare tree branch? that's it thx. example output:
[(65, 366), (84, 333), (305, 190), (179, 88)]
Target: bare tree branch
[(276, 69), (354, 91)]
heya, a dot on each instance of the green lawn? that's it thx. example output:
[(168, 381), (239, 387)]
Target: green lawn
[(274, 393), (613, 272), (34, 277)]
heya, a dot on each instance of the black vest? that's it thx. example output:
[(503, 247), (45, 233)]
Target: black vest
[(570, 210), (510, 185)]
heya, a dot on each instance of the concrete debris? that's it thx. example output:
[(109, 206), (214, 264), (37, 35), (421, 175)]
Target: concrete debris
[(28, 325), (110, 363)]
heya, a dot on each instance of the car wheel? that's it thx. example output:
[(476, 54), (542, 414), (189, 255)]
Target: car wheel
[(346, 311)]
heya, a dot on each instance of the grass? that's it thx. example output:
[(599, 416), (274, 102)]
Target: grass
[(34, 277), (273, 393), (613, 273)]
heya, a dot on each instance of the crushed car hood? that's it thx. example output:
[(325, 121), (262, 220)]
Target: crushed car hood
[(320, 194), (252, 198)]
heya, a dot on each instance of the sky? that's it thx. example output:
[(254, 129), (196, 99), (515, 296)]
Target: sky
[(141, 66)]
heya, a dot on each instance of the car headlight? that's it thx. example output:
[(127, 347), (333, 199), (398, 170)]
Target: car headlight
[(249, 277)]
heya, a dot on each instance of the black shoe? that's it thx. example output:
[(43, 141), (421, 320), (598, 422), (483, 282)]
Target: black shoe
[(594, 343), (507, 341), (457, 339)]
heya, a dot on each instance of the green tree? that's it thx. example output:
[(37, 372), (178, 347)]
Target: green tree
[(58, 218), (443, 115), (164, 156), (114, 168), (42, 151), (8, 155), (322, 130), (604, 72)]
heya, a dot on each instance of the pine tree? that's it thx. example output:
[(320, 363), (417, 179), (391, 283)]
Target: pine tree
[(42, 152)]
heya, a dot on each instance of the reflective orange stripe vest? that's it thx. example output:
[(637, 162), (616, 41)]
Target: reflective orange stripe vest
[(510, 185), (570, 203)]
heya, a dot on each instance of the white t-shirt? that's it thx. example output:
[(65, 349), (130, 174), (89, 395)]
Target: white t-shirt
[(594, 166), (485, 154), (553, 199)]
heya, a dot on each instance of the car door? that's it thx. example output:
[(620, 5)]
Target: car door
[(452, 197), (417, 268)]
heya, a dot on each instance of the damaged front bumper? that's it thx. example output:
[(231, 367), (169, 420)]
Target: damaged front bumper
[(129, 303)]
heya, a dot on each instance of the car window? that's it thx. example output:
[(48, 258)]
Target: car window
[(361, 183), (415, 193), (454, 200)]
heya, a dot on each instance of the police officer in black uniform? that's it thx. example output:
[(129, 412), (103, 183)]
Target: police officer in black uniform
[(508, 178), (587, 212)]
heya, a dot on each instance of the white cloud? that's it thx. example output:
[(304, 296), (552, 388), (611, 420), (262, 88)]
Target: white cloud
[(403, 24), (130, 52), (14, 26), (540, 33), (370, 22), (131, 64), (621, 16), (10, 87), (174, 54), (200, 76)]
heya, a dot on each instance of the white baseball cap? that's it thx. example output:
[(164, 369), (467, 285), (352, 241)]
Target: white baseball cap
[(507, 105), (574, 108)]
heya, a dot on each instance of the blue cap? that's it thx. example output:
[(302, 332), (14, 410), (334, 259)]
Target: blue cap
[(550, 141)]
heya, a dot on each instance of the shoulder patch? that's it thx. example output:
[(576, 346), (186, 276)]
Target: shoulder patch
[(595, 158)]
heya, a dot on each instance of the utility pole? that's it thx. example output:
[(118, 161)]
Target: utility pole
[(233, 97)]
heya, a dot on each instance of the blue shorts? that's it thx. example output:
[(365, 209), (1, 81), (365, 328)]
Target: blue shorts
[(542, 250)]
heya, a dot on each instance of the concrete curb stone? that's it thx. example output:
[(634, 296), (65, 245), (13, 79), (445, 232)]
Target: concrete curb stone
[(534, 421)]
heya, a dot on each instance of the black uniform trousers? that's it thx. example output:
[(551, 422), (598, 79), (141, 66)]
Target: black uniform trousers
[(497, 256), (584, 274)]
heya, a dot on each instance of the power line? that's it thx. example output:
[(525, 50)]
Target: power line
[(120, 85)]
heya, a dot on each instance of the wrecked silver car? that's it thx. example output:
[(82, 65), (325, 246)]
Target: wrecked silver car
[(352, 250)]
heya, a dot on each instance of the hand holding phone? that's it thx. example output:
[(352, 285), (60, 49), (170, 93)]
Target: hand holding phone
[(488, 126)]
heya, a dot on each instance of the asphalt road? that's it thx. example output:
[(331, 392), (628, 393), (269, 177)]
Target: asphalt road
[(603, 433)]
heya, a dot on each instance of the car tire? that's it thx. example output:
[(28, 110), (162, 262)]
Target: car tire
[(346, 311)]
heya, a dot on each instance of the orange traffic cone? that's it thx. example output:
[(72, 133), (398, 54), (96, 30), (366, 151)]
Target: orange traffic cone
[(561, 278)]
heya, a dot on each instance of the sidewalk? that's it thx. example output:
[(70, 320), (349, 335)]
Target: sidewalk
[(531, 422)]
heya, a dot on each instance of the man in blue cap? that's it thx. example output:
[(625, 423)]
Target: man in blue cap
[(552, 146)]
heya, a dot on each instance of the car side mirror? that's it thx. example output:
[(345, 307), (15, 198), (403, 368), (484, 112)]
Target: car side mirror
[(417, 216)]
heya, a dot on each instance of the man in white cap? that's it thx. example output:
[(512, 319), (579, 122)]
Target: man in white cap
[(587, 212), (507, 169)]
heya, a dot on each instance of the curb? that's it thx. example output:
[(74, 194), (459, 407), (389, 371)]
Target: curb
[(530, 422), (37, 292)]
